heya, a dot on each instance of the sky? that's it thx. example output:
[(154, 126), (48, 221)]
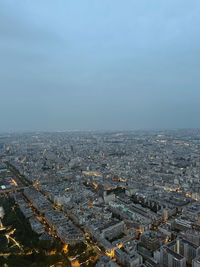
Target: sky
[(99, 64)]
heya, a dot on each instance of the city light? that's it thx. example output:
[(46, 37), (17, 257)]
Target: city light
[(65, 248)]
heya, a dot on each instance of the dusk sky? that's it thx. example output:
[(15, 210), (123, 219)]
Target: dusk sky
[(99, 64)]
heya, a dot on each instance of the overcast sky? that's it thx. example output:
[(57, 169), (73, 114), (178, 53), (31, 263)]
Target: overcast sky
[(99, 64)]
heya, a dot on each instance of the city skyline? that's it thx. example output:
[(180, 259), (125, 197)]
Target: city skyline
[(105, 198)]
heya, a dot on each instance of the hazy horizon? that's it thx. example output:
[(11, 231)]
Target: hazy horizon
[(101, 131), (99, 65)]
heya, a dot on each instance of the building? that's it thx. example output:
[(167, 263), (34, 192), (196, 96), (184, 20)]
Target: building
[(112, 229), (108, 197), (196, 262), (180, 248), (185, 248), (106, 261), (25, 209), (55, 218), (127, 260), (188, 249), (152, 240), (192, 235), (37, 199), (70, 234), (36, 225), (169, 258)]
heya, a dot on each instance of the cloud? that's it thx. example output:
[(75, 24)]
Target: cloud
[(103, 63)]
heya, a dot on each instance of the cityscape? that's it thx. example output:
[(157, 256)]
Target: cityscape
[(128, 198), (99, 133)]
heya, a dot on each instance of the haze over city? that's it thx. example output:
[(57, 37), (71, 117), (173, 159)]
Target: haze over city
[(99, 133), (99, 65)]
